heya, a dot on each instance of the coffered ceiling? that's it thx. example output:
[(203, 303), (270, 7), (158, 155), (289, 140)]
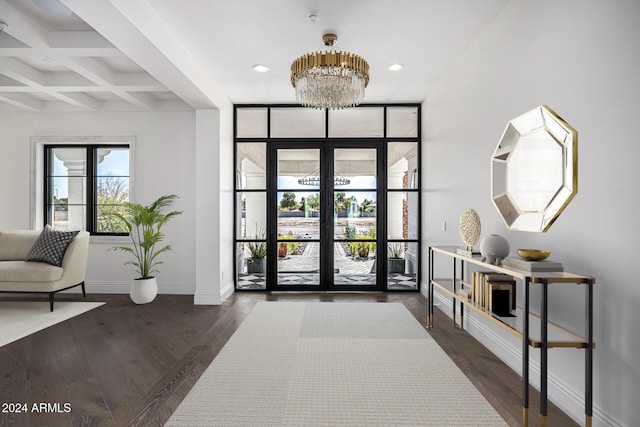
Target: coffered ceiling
[(167, 55)]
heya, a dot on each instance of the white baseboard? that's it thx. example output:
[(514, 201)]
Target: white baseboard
[(509, 351), (214, 298), (227, 290)]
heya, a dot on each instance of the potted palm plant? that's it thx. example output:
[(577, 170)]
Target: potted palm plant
[(257, 255), (395, 261), (144, 225)]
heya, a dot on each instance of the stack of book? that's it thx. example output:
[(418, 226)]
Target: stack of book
[(495, 292), (467, 252), (532, 266)]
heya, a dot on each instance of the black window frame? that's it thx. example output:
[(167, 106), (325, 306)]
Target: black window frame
[(271, 189), (91, 189)]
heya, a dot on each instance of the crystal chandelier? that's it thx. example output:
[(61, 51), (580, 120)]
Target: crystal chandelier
[(330, 79)]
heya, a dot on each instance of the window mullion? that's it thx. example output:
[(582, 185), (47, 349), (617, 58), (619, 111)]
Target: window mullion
[(47, 184), (90, 207)]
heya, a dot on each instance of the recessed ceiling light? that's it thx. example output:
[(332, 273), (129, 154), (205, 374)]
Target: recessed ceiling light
[(260, 68), (395, 67)]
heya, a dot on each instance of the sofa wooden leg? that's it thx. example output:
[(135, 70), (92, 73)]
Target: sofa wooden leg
[(51, 300), (84, 294)]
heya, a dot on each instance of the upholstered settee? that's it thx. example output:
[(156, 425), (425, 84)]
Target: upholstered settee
[(17, 275)]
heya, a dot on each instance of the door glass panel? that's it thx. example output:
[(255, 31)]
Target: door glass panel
[(301, 269), (354, 215), (298, 228), (354, 168), (298, 169), (402, 265), (297, 123), (251, 221), (299, 214), (251, 122), (402, 165), (354, 263), (402, 215), (251, 166), (402, 122), (251, 265), (357, 122), (251, 256)]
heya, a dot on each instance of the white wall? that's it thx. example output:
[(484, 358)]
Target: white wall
[(582, 58), (214, 205), (164, 164)]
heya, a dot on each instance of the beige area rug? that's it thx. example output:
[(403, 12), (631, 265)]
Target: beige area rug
[(338, 364), (21, 318)]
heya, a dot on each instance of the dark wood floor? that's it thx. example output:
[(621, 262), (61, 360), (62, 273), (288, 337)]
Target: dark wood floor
[(123, 364)]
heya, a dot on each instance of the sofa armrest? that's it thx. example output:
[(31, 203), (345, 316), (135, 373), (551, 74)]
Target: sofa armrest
[(74, 262)]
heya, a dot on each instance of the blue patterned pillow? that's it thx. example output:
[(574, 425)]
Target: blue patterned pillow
[(51, 246)]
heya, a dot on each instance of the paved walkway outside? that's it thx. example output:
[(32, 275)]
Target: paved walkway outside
[(310, 261)]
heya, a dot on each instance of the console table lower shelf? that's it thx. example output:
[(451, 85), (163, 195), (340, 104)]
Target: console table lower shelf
[(533, 330)]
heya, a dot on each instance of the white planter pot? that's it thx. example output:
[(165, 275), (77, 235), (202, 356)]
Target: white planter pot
[(143, 291)]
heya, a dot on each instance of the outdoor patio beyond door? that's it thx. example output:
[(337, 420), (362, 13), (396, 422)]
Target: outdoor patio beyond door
[(326, 218)]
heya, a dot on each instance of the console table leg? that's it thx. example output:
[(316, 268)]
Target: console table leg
[(453, 302), (430, 291), (461, 286), (588, 355), (543, 352), (525, 355)]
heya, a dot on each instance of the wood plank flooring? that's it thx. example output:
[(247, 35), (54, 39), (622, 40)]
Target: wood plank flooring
[(122, 364)]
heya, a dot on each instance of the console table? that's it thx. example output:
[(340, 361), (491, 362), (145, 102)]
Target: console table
[(522, 323)]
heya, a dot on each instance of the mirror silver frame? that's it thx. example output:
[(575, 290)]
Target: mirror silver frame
[(534, 170)]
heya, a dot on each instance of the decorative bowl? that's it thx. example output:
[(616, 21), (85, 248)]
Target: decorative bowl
[(533, 254)]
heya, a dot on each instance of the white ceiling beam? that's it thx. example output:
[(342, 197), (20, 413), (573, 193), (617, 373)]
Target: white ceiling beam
[(78, 39), (61, 106), (141, 100), (31, 89), (21, 72), (61, 52), (80, 100), (67, 79), (77, 51), (35, 80), (103, 77), (22, 28), (23, 101), (137, 30), (137, 79), (90, 69), (140, 82)]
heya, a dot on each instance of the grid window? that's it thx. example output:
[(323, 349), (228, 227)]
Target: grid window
[(83, 184)]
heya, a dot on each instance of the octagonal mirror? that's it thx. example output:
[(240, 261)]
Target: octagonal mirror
[(534, 172)]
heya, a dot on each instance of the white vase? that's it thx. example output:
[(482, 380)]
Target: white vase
[(494, 249), (143, 291)]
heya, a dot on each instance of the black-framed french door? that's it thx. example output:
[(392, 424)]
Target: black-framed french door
[(324, 228), (298, 223)]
